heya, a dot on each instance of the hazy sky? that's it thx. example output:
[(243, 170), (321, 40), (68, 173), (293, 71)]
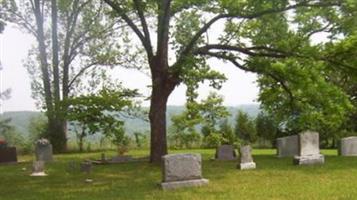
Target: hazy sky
[(240, 88)]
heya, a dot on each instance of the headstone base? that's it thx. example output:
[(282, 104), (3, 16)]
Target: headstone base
[(245, 166), (39, 174), (347, 155), (181, 184), (309, 160)]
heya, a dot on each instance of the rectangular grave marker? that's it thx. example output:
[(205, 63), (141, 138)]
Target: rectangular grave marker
[(287, 146), (246, 158), (226, 152), (309, 150), (182, 170)]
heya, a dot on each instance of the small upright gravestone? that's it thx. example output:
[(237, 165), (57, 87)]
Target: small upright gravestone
[(287, 146), (226, 152), (43, 150), (38, 168), (246, 159), (309, 150), (182, 170), (348, 146)]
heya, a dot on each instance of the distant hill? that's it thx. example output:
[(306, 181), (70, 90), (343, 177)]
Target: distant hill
[(21, 119)]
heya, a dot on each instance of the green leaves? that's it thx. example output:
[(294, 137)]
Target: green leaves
[(101, 112), (245, 128), (308, 101)]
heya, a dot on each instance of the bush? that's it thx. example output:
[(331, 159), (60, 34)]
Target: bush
[(213, 140)]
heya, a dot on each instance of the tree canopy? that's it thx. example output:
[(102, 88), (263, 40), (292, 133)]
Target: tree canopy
[(257, 36)]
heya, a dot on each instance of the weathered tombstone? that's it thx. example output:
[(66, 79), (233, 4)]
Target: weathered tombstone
[(86, 167), (8, 155), (43, 150), (309, 150), (38, 168), (226, 152), (287, 146), (246, 159), (182, 170), (348, 146)]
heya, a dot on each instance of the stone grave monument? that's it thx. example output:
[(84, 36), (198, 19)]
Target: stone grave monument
[(7, 154), (246, 158), (348, 146), (38, 168), (182, 170), (226, 152), (43, 150), (309, 150), (287, 146)]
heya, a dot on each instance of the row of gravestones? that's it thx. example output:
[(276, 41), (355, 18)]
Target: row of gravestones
[(43, 152), (291, 145), (304, 147), (184, 170)]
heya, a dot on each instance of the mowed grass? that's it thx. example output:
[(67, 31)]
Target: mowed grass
[(273, 179)]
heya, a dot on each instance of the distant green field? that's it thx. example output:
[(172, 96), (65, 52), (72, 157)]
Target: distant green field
[(273, 179)]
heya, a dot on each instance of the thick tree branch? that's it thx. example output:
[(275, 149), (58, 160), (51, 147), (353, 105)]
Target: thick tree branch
[(139, 8), (205, 27), (250, 51), (131, 24), (163, 29), (234, 61)]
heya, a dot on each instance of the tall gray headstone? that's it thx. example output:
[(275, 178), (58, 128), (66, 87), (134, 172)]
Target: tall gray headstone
[(38, 168), (309, 150), (182, 170), (287, 146), (348, 146), (43, 150), (225, 152), (246, 158)]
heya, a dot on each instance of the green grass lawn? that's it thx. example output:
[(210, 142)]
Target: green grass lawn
[(273, 179)]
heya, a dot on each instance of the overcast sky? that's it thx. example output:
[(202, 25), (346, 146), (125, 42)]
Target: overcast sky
[(240, 88)]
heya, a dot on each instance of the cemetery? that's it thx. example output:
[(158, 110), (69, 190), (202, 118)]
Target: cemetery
[(178, 99), (273, 178)]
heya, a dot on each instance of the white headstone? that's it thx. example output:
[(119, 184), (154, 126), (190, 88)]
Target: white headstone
[(309, 150), (38, 168)]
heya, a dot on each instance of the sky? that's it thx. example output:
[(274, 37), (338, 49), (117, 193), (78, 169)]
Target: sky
[(240, 88)]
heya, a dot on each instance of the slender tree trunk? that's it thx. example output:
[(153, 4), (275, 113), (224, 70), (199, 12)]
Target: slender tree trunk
[(81, 137), (55, 59), (43, 58)]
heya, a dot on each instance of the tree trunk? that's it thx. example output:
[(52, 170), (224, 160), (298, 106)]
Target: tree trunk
[(57, 134), (80, 144), (157, 116)]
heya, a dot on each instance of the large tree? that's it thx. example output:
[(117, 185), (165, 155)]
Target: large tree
[(316, 88), (182, 31), (72, 37)]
